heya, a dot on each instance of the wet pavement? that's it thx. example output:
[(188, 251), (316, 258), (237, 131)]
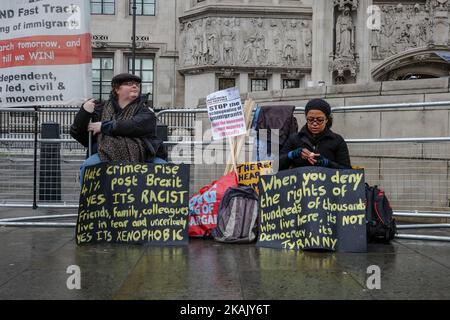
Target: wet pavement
[(34, 262)]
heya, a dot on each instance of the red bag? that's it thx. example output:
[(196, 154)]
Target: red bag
[(204, 205)]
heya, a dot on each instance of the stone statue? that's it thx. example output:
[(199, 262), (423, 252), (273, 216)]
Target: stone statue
[(344, 35), (387, 31), (227, 37), (212, 42), (276, 50), (238, 36), (199, 44), (399, 30), (419, 21), (307, 42), (250, 51), (260, 42), (375, 43), (246, 55), (187, 44), (440, 22), (290, 46)]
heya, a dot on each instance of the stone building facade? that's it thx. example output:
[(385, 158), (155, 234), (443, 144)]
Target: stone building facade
[(190, 48)]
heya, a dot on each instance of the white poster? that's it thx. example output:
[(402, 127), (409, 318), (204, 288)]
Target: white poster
[(226, 114), (45, 52)]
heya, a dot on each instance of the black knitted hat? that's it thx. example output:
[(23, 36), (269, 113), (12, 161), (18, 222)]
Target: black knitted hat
[(318, 104)]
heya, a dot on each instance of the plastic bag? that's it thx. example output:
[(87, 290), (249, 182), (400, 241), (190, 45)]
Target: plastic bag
[(204, 205)]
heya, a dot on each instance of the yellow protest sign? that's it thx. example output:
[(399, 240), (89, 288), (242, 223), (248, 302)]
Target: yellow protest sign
[(249, 172)]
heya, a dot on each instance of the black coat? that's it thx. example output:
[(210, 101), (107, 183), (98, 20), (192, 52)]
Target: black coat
[(328, 144), (141, 125)]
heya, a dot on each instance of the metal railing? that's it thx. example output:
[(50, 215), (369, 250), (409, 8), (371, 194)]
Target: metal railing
[(424, 180)]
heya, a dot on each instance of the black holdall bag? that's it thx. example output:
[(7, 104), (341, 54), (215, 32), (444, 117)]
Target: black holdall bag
[(238, 216), (379, 215)]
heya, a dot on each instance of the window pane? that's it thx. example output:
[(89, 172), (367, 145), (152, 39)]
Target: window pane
[(106, 88), (107, 75), (95, 63), (147, 64), (147, 87), (149, 10), (147, 76), (105, 96), (107, 63), (95, 75), (102, 69), (143, 7), (226, 83), (291, 83), (108, 8), (96, 8), (259, 85), (137, 64), (143, 69)]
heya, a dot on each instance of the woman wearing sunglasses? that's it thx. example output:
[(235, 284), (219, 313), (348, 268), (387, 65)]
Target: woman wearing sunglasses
[(123, 128), (316, 144)]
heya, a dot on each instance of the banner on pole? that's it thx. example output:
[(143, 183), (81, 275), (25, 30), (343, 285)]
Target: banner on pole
[(45, 52), (226, 114)]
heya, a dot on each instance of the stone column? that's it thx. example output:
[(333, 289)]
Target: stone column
[(362, 45), (276, 81), (322, 42), (243, 83), (118, 62), (198, 86)]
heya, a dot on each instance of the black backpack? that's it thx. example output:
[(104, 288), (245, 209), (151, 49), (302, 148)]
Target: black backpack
[(379, 216), (238, 216)]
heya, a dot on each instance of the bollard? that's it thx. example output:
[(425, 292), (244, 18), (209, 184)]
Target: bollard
[(162, 131), (50, 164)]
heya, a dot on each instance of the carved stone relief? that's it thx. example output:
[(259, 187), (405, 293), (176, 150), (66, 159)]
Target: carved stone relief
[(408, 26), (246, 42)]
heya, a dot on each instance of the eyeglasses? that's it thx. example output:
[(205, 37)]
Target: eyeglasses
[(319, 121), (131, 83)]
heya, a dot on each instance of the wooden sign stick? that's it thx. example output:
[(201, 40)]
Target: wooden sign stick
[(240, 140), (249, 105), (233, 155)]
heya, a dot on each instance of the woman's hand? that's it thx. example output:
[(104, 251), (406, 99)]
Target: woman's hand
[(89, 105), (310, 156), (95, 127)]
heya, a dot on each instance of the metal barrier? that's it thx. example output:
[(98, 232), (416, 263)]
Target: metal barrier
[(413, 171)]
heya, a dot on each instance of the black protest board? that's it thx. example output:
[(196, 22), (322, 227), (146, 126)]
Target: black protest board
[(313, 208), (134, 203)]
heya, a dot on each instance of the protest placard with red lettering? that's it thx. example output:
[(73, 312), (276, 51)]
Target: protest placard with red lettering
[(45, 52), (226, 114)]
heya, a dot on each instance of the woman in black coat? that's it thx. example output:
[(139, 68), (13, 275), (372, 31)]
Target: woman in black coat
[(123, 128), (316, 144)]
